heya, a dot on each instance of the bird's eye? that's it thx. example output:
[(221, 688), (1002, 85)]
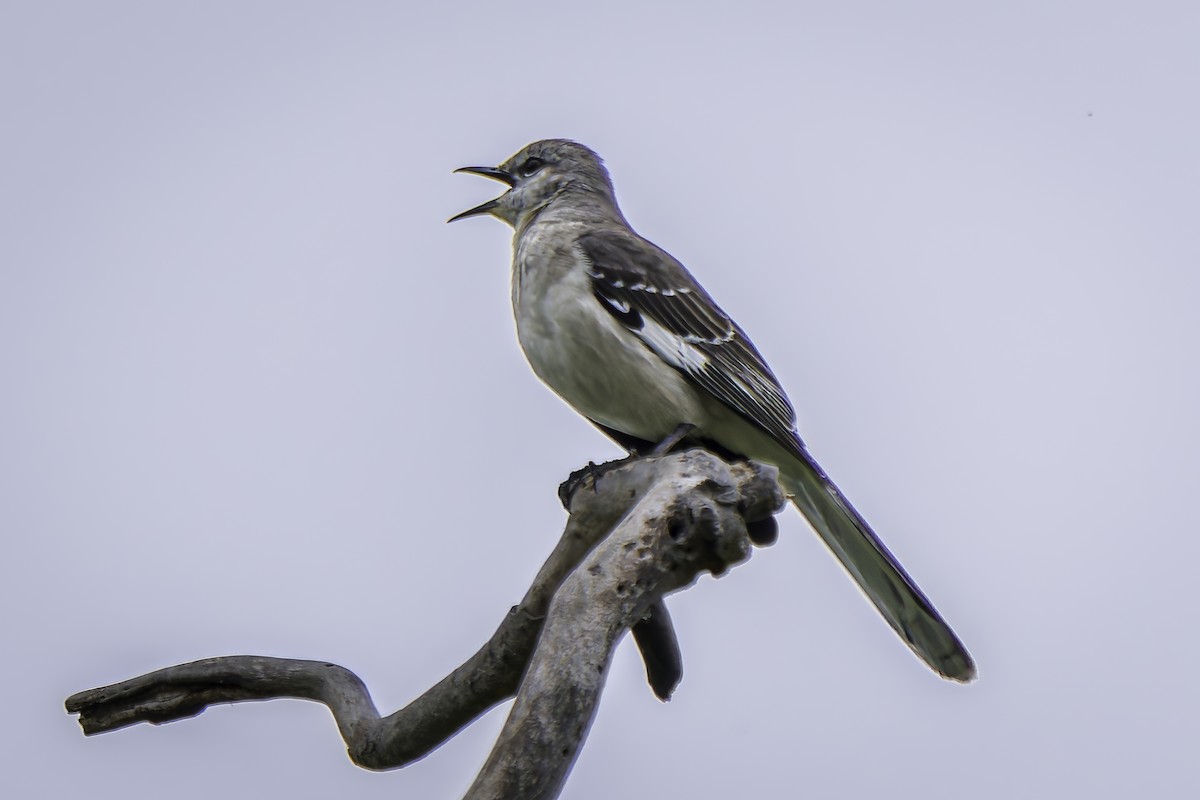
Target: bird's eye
[(531, 166)]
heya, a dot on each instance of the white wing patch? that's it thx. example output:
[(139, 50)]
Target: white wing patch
[(655, 299), (678, 351), (620, 305)]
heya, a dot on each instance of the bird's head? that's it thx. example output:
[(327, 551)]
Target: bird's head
[(538, 174)]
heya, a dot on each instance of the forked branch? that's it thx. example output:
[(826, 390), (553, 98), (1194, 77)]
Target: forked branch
[(638, 530)]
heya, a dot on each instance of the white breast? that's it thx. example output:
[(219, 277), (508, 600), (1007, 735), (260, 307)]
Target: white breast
[(576, 347)]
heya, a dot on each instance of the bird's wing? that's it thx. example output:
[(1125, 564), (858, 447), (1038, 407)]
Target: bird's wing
[(657, 300)]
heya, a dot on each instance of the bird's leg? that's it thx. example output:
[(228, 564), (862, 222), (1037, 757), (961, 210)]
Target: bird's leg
[(636, 448), (673, 438)]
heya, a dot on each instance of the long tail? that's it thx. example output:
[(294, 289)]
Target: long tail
[(876, 570)]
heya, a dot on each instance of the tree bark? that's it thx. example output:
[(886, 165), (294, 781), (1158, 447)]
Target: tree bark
[(638, 530)]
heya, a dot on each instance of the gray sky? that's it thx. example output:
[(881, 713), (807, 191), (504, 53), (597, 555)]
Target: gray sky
[(259, 398)]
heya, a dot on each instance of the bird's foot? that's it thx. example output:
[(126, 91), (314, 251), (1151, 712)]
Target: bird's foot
[(567, 489)]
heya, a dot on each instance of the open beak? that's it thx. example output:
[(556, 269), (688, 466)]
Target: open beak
[(488, 172)]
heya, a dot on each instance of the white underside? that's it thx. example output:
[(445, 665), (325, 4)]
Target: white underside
[(585, 355)]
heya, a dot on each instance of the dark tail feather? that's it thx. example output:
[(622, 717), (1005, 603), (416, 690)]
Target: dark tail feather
[(876, 570)]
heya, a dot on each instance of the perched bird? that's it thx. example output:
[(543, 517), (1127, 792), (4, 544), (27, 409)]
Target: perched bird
[(624, 334)]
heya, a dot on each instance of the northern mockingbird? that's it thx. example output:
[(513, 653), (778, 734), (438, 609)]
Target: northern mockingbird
[(624, 334)]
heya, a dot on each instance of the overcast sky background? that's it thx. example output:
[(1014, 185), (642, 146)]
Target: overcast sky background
[(259, 398)]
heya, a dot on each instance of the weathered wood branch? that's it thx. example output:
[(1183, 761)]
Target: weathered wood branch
[(638, 530)]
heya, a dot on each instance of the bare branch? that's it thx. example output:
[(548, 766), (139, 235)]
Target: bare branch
[(674, 516), (688, 523)]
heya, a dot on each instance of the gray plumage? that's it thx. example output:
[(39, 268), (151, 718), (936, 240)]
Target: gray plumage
[(622, 332)]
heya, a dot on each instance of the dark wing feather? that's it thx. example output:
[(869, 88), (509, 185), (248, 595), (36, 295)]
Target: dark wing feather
[(651, 293), (655, 298)]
